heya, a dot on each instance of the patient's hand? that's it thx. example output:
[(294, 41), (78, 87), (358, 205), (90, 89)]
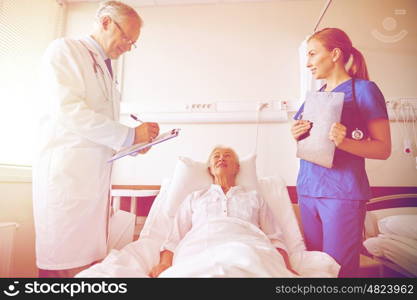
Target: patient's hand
[(158, 269), (165, 261)]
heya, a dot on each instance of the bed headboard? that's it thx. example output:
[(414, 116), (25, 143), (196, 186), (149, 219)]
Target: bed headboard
[(381, 207)]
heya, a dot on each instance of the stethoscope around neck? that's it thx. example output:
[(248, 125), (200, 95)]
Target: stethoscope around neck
[(97, 68), (357, 134)]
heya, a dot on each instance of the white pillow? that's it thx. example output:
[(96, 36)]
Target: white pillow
[(191, 175), (402, 225), (274, 191)]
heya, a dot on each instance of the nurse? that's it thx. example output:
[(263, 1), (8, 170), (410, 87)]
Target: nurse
[(79, 131), (332, 201)]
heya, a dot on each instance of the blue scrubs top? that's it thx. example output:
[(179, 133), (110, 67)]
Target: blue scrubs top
[(347, 178)]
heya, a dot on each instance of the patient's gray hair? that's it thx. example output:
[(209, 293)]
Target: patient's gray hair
[(222, 147), (117, 11)]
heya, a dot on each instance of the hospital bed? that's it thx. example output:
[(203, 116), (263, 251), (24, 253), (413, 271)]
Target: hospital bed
[(138, 257), (390, 233)]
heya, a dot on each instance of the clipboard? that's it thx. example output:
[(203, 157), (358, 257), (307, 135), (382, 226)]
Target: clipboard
[(137, 147), (322, 109)]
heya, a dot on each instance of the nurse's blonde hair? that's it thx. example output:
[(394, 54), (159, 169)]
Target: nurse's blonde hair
[(118, 11)]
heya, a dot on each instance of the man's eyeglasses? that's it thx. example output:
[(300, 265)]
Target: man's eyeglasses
[(124, 36)]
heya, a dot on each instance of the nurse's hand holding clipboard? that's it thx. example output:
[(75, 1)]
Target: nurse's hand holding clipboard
[(300, 129), (337, 133)]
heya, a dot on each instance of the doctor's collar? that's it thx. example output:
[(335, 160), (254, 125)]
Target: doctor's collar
[(97, 46)]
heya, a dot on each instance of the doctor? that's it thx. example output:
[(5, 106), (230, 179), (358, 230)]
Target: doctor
[(79, 131)]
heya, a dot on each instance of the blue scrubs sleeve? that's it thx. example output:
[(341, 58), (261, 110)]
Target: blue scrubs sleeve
[(371, 101)]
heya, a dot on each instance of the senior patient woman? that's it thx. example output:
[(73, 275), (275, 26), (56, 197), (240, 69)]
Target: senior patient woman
[(223, 198)]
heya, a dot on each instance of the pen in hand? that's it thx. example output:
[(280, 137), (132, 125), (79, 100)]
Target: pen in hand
[(135, 118), (147, 131)]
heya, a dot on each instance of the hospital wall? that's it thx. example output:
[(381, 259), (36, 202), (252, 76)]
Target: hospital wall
[(249, 52)]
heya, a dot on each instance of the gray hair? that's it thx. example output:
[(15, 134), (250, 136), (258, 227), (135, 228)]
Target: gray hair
[(118, 11), (222, 147)]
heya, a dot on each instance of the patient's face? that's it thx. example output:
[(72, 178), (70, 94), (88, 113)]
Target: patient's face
[(223, 161)]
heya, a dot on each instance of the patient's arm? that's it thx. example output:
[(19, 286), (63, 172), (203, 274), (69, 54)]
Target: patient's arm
[(165, 261), (182, 224), (287, 260)]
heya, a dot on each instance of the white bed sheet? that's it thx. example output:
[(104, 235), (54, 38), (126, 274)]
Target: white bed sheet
[(226, 247), (256, 260), (400, 250)]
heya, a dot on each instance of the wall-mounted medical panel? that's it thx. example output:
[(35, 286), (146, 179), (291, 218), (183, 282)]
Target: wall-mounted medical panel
[(217, 112), (402, 109)]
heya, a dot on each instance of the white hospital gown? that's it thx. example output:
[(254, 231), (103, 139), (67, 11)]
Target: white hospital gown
[(211, 203)]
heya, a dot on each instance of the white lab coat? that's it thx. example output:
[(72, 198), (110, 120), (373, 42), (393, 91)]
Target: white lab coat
[(71, 177)]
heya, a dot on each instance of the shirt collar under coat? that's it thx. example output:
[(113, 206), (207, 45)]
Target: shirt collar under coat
[(233, 190), (96, 46)]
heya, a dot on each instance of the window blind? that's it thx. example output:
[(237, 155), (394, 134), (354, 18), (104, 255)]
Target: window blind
[(26, 29)]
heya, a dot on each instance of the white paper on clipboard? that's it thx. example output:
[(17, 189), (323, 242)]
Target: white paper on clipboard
[(322, 109), (137, 147)]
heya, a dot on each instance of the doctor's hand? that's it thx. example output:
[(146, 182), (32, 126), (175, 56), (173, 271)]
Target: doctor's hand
[(300, 129), (146, 132), (337, 133)]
